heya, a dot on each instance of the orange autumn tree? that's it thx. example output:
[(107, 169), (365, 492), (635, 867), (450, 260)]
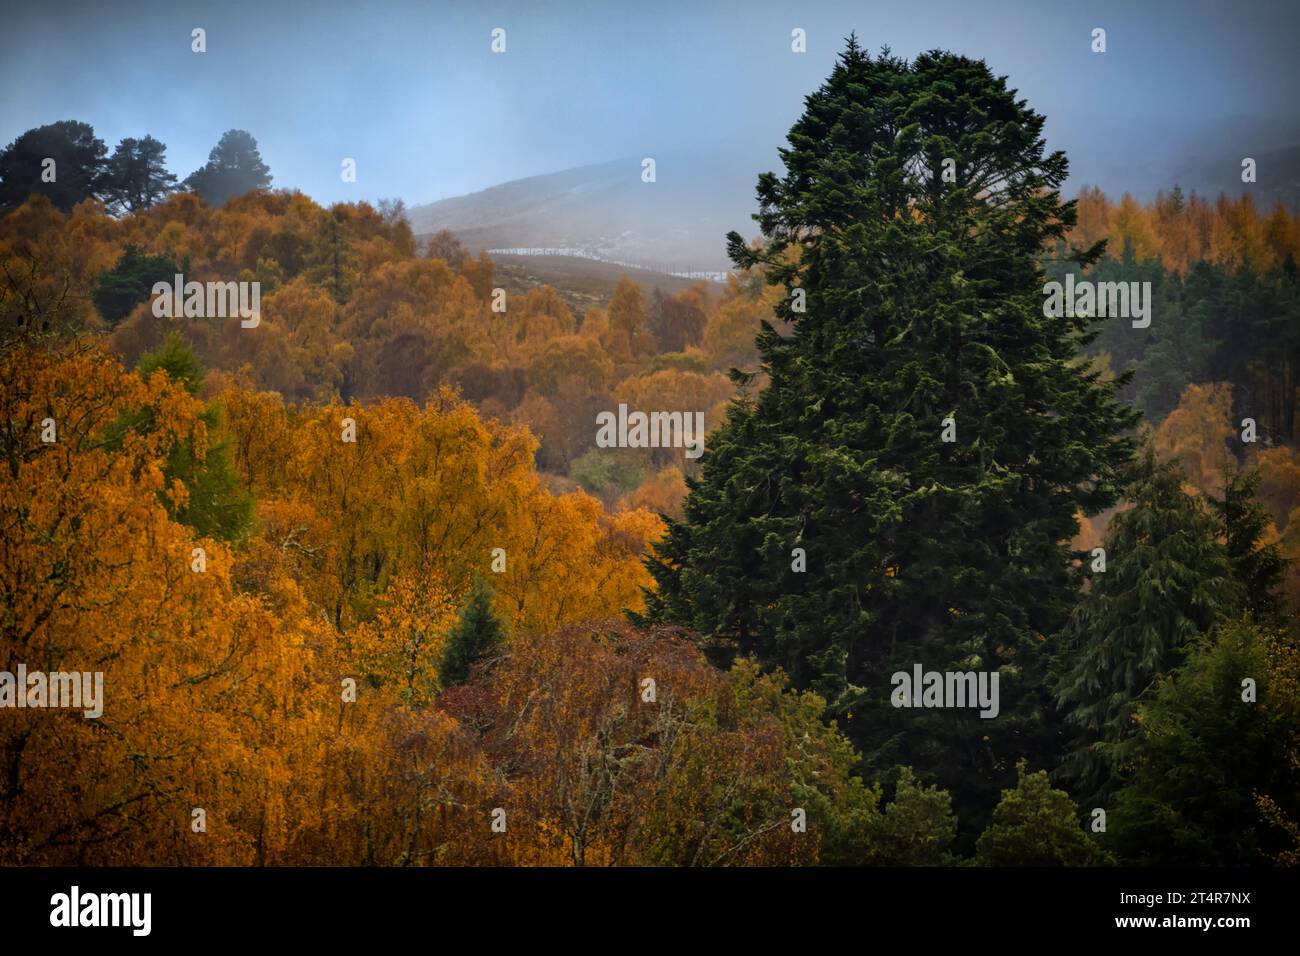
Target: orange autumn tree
[(432, 489), (402, 647), (226, 735), (1131, 228), (227, 689), (197, 674), (1196, 434), (351, 310), (663, 492), (1181, 230)]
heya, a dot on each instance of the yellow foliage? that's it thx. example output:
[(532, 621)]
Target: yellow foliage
[(1196, 434)]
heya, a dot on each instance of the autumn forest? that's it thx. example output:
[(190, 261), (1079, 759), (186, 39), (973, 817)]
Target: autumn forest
[(365, 589)]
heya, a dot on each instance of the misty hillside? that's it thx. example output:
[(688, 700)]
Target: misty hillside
[(1206, 158), (677, 223)]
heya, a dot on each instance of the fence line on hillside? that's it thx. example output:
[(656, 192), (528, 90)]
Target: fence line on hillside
[(578, 253)]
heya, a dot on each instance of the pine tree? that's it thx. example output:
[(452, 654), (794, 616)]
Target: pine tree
[(234, 167), (177, 359), (922, 300), (1167, 581), (1243, 524), (130, 281), (137, 174), (916, 828), (476, 637)]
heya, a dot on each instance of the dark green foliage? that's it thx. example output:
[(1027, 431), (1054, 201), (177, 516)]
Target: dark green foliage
[(1035, 825), (916, 828), (130, 282), (218, 506), (1257, 568), (1257, 325), (79, 165), (1202, 753), (234, 167), (1161, 359), (477, 637), (924, 300), (336, 267), (1214, 324), (1177, 348), (137, 175), (1167, 581)]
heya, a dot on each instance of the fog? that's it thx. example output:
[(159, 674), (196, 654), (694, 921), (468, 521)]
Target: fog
[(413, 92)]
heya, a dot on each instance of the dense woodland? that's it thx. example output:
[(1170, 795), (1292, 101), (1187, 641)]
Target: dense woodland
[(514, 679)]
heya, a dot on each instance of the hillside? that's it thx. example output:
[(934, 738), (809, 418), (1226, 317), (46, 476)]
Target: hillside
[(583, 284), (677, 223)]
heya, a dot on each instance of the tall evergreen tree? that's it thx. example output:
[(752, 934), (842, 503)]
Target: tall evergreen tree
[(1167, 581), (234, 167), (137, 175), (909, 225), (476, 636)]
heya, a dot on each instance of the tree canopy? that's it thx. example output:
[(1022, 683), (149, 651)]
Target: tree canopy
[(914, 302), (234, 167)]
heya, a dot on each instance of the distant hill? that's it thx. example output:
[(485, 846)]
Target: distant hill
[(1278, 172), (1207, 159), (677, 223)]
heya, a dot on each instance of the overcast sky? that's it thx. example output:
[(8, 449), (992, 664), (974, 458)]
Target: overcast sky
[(413, 92)]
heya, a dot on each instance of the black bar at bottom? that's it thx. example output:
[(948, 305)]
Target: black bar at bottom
[(342, 904)]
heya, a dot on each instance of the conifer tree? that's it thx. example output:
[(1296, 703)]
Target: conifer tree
[(907, 232), (121, 288), (1206, 750), (1243, 524), (476, 636), (137, 174), (234, 167), (1167, 581), (78, 171)]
